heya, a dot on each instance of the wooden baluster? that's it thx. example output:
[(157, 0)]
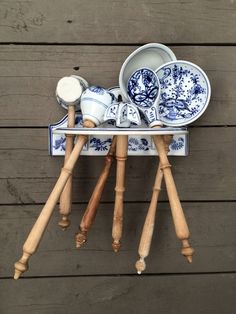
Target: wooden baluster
[(66, 195), (91, 210), (148, 228), (121, 156), (36, 233), (181, 227)]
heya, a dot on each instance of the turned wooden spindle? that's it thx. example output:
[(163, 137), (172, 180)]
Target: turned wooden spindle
[(121, 156), (66, 195), (148, 228), (91, 210), (36, 233), (181, 227)]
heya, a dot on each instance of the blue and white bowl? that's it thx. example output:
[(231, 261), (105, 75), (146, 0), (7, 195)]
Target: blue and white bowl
[(151, 56), (94, 102), (184, 92)]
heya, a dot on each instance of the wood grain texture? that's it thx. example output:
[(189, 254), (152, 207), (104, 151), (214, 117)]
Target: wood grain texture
[(104, 21), (213, 235), (205, 294), (29, 74), (27, 173)]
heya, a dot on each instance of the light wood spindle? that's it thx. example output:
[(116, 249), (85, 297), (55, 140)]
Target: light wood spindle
[(36, 233), (121, 156), (181, 227), (66, 195), (91, 210), (148, 228)]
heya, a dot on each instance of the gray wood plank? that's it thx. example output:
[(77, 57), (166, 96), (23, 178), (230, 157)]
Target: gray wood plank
[(212, 227), (205, 294), (135, 21), (29, 74), (27, 173)]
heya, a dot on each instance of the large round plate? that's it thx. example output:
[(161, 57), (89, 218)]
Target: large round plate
[(185, 92)]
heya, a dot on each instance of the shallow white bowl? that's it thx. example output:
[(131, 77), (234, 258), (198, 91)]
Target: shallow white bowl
[(151, 56), (185, 92)]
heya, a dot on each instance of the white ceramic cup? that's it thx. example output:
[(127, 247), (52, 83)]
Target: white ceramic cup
[(69, 90), (94, 102), (150, 56)]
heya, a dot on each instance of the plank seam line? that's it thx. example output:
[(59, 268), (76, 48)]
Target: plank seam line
[(127, 202), (206, 44), (127, 275), (190, 127)]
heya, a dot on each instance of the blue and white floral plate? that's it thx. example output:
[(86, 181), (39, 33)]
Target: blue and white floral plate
[(185, 92)]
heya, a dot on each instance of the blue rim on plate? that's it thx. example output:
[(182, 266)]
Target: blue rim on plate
[(185, 92)]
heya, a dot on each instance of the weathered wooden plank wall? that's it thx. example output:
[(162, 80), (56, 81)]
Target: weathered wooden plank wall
[(41, 41)]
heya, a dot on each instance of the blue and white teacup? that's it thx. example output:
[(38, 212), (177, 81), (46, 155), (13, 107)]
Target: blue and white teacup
[(94, 102)]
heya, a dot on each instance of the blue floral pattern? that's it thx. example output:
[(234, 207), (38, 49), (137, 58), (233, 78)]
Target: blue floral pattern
[(60, 144), (143, 87), (99, 145), (177, 144), (135, 144), (97, 89), (184, 93)]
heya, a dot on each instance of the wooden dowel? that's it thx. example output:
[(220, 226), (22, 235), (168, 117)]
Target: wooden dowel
[(66, 195), (148, 228), (36, 233), (91, 210), (146, 237), (181, 227), (121, 156)]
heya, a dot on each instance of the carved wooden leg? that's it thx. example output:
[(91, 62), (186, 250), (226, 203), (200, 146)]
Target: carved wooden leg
[(94, 201), (180, 223), (121, 156), (36, 233), (147, 233), (146, 237), (66, 195)]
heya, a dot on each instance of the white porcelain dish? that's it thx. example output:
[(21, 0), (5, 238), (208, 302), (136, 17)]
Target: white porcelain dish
[(185, 92), (151, 56)]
